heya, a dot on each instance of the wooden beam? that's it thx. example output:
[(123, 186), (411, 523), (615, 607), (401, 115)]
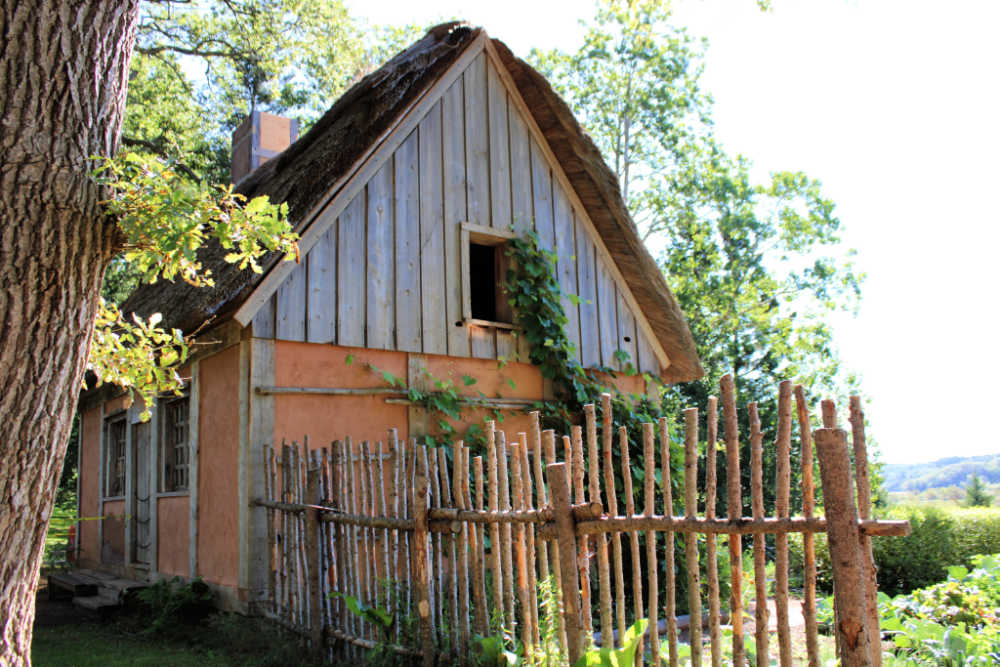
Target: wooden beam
[(193, 453), (260, 433), (154, 489)]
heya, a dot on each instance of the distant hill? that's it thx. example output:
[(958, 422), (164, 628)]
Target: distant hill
[(950, 471)]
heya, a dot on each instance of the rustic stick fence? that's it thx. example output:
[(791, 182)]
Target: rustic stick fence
[(393, 545)]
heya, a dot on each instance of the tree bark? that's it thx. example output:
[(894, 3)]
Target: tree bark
[(63, 76)]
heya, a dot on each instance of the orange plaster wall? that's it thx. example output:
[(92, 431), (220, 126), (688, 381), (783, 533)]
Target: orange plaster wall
[(218, 469), (172, 535), (113, 549), (328, 418), (90, 463)]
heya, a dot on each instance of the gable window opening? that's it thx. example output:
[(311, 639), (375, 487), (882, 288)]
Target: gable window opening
[(175, 446), (485, 268)]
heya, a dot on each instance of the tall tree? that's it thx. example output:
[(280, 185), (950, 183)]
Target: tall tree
[(755, 267), (976, 494), (63, 74)]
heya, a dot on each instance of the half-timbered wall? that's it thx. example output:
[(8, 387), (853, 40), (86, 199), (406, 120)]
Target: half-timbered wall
[(387, 273)]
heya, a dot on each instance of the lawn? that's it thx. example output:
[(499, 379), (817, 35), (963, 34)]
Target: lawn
[(63, 517), (88, 644)]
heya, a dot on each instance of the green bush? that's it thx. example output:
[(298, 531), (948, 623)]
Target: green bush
[(173, 605), (939, 538)]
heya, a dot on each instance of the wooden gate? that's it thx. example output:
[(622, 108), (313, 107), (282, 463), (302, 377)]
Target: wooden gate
[(426, 551)]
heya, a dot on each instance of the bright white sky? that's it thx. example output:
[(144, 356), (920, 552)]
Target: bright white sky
[(895, 107)]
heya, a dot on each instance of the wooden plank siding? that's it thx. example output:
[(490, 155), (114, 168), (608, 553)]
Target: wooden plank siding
[(388, 273)]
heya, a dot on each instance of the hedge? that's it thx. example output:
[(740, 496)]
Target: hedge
[(939, 538)]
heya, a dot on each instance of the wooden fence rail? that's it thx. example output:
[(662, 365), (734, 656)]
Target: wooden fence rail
[(422, 549)]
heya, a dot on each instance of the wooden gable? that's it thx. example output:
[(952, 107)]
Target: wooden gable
[(382, 265)]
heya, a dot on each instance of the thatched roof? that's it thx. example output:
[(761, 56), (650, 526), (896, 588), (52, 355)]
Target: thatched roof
[(303, 174)]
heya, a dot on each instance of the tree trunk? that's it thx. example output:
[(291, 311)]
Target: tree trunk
[(63, 76)]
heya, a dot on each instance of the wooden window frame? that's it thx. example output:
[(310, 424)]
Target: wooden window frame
[(169, 445), (471, 233), (111, 448)]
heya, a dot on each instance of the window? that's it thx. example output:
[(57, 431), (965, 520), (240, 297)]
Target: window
[(174, 451), (114, 458), (485, 270)]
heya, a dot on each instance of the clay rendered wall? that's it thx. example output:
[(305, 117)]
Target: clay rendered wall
[(218, 468), (90, 446), (172, 535), (328, 418)]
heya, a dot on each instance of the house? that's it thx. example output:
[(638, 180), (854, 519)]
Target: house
[(402, 192)]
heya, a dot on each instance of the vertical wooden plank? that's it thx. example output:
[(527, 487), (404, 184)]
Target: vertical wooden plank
[(808, 540), (503, 466), (691, 541), (437, 585), (380, 324), (455, 212), (634, 553), (407, 258), (607, 314), (480, 609), (782, 489), (482, 342), (421, 574), (549, 438), (607, 456), (541, 188), (529, 531), (590, 347), (570, 583), (351, 272), (452, 551), (315, 561), (463, 553), (668, 550), (734, 502), (521, 553), (759, 540), (477, 144), (194, 412), (321, 301), (842, 528), (500, 179), (496, 561), (649, 509), (506, 345), (290, 300), (714, 622), (565, 240), (583, 546), (154, 488), (864, 488), (263, 321), (647, 362), (627, 339), (259, 419), (522, 211), (433, 269)]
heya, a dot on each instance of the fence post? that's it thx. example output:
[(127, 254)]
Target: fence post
[(843, 534), (315, 556), (566, 540), (421, 575)]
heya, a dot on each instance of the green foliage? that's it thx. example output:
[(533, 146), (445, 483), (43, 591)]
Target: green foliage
[(623, 656), (976, 494), (951, 623), (937, 538), (174, 605)]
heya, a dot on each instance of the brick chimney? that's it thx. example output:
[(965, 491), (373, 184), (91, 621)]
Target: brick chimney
[(258, 139)]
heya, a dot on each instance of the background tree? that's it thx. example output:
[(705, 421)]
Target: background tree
[(756, 267), (976, 494)]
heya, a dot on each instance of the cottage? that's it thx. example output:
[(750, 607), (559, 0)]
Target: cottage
[(404, 194)]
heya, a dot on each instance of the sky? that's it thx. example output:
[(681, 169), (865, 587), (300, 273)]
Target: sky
[(895, 107)]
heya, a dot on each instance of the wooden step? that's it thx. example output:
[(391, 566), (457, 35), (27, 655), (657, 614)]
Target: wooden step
[(72, 584), (97, 602)]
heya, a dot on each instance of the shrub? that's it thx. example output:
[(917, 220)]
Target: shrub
[(938, 538), (173, 605)]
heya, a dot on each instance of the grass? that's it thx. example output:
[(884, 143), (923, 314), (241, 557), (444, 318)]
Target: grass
[(63, 517), (92, 645)]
